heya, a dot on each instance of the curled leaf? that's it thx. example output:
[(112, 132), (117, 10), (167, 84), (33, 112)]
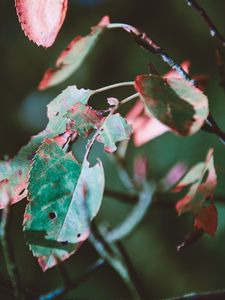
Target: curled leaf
[(73, 56), (41, 20), (198, 184)]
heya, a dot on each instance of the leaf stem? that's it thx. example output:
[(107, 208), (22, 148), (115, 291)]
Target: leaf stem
[(113, 86)]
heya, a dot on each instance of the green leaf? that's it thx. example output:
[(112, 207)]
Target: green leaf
[(198, 184), (73, 56), (14, 172), (63, 198), (83, 119), (115, 129), (174, 102)]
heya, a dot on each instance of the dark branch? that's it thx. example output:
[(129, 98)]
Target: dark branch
[(60, 292), (132, 271), (8, 254), (148, 44), (213, 30), (215, 295), (221, 68), (123, 197)]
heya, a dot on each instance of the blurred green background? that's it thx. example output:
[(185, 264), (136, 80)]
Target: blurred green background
[(181, 32)]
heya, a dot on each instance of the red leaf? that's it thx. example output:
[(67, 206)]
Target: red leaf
[(199, 182), (207, 219), (41, 20)]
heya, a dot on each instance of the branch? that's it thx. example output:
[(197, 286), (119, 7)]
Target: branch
[(133, 273), (124, 197), (148, 44), (215, 295), (111, 253), (214, 32), (8, 253), (221, 68), (58, 293), (135, 217)]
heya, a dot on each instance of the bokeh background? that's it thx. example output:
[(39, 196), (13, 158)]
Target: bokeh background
[(181, 32)]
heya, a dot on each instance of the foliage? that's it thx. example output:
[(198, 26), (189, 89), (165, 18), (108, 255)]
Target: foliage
[(64, 195)]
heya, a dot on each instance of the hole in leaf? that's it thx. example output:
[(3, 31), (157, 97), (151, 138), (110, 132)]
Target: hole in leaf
[(64, 243), (78, 235), (57, 113), (52, 215), (21, 193)]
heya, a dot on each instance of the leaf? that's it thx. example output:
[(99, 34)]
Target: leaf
[(41, 20), (63, 198), (83, 119), (174, 102), (145, 126), (173, 176), (14, 172), (207, 219), (73, 56), (198, 184), (115, 129)]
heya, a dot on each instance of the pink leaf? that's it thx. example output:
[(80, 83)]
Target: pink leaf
[(41, 20), (145, 127)]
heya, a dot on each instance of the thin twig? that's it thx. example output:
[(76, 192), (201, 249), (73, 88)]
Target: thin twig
[(215, 295), (148, 44), (133, 273), (221, 68), (71, 285), (214, 32), (8, 253), (135, 217), (124, 197), (111, 254)]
